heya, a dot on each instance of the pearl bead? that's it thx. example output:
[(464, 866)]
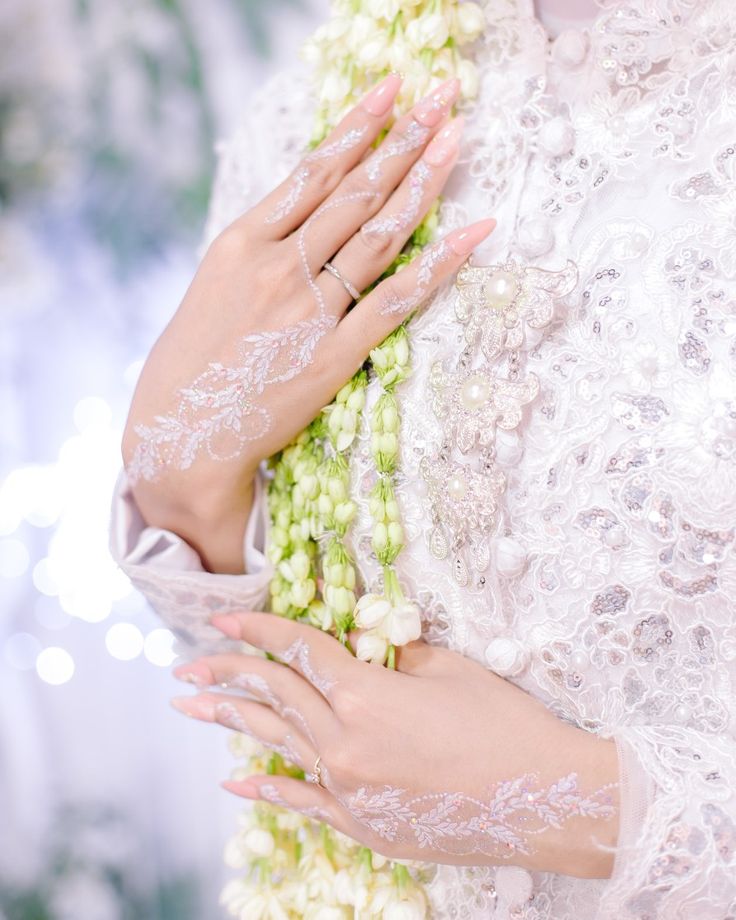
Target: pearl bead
[(579, 659), (639, 242), (500, 289), (474, 392), (536, 237), (510, 557), (457, 487), (506, 657), (557, 137), (617, 124), (682, 712), (570, 48)]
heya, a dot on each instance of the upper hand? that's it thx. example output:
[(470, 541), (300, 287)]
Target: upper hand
[(440, 760), (264, 338)]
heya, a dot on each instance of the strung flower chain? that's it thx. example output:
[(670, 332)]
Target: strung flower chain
[(296, 866)]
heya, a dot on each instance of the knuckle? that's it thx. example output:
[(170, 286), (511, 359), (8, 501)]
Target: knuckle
[(322, 176), (231, 241), (340, 762), (380, 243), (348, 703)]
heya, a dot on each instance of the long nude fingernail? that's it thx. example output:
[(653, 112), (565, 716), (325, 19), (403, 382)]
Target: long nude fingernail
[(242, 787), (198, 707), (464, 241), (195, 672), (380, 98), (446, 144), (432, 108)]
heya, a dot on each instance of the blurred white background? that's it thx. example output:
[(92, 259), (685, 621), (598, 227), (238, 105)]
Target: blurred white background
[(110, 807)]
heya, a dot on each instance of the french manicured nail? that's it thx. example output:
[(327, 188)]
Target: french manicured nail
[(430, 110), (464, 241), (242, 787), (446, 144), (198, 707), (195, 673), (380, 99), (227, 623)]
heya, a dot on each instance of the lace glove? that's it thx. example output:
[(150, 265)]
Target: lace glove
[(163, 567), (676, 856), (440, 760)]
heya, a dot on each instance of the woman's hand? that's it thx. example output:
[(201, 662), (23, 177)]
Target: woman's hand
[(440, 760), (264, 338)]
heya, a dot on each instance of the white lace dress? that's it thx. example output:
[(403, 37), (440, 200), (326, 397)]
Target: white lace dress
[(611, 589)]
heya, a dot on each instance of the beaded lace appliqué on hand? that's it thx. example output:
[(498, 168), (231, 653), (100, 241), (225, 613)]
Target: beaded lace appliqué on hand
[(462, 825)]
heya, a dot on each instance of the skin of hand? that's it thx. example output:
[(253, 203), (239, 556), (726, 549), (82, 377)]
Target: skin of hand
[(439, 724), (265, 273)]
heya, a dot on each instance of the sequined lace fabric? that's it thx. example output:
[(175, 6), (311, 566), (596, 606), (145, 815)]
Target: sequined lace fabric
[(611, 588)]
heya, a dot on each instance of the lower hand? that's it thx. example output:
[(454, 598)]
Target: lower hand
[(440, 760)]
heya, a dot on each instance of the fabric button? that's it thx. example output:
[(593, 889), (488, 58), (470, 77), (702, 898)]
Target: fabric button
[(507, 657), (536, 237), (514, 885), (510, 557), (557, 137), (570, 48)]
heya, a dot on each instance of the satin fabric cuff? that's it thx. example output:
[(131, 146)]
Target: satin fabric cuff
[(169, 572)]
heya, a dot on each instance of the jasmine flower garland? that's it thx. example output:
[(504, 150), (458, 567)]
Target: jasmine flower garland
[(293, 866)]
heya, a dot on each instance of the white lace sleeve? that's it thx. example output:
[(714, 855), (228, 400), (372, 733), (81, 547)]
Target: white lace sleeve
[(170, 574), (676, 855)]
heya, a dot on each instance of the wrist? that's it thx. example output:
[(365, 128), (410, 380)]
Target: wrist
[(209, 512)]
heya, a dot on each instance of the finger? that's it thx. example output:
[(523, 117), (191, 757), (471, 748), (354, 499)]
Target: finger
[(368, 253), (280, 687), (377, 314), (317, 174), (317, 656), (253, 719), (367, 187), (309, 799)]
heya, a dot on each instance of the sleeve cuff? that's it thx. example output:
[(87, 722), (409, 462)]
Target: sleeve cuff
[(169, 572)]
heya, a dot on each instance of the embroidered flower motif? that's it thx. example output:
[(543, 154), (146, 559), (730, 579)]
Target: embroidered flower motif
[(494, 303), (473, 404), (648, 366)]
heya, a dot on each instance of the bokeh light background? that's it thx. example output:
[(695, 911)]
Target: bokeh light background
[(110, 111)]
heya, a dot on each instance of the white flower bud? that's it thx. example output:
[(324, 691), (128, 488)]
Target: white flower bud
[(300, 564), (371, 647), (345, 512), (260, 842), (401, 350), (469, 21), (386, 9), (377, 508), (395, 534), (356, 400), (302, 593), (341, 600), (467, 73), (286, 570), (389, 444), (334, 574), (336, 86), (405, 625), (405, 909), (324, 504), (349, 579), (427, 31), (392, 510), (390, 418), (371, 610), (336, 489), (380, 537), (373, 54)]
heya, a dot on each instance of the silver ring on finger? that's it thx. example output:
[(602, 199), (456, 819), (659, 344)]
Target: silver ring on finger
[(349, 287), (316, 775)]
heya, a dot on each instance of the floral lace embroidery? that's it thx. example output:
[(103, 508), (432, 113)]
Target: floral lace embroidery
[(504, 825)]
